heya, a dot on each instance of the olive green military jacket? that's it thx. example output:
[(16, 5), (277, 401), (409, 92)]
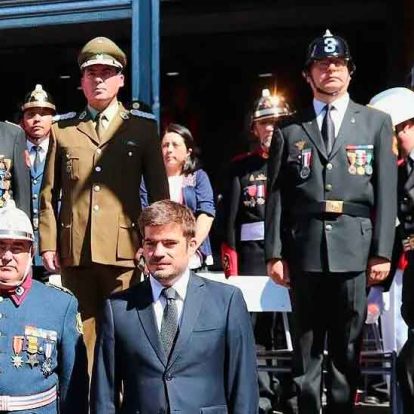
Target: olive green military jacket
[(98, 182)]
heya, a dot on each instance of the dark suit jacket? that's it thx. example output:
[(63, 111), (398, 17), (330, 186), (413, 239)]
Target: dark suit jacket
[(13, 147), (212, 368), (343, 242)]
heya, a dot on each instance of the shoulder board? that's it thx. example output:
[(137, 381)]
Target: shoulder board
[(142, 114), (61, 117), (61, 288)]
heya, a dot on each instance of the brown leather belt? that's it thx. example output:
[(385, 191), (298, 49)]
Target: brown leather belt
[(337, 207)]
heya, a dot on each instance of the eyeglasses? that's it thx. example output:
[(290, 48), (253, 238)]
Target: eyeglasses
[(324, 64)]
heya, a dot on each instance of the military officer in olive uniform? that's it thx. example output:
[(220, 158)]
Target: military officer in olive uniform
[(14, 171), (97, 161), (399, 103), (43, 357), (38, 110), (329, 225)]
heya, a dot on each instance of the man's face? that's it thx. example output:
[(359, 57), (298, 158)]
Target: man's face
[(100, 84), (405, 136), (15, 258), (167, 252), (36, 123), (331, 75), (264, 131)]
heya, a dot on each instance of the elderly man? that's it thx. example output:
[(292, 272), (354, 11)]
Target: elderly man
[(97, 162), (176, 342), (37, 116), (43, 356), (330, 222)]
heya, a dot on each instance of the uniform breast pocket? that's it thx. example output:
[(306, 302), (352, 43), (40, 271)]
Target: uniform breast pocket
[(72, 165)]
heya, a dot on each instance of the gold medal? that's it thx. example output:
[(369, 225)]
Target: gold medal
[(360, 170)]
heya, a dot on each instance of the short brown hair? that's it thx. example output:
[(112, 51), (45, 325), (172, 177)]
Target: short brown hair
[(165, 212)]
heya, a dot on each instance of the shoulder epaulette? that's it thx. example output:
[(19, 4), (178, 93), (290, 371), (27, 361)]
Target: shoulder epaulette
[(61, 117), (61, 288), (142, 114)]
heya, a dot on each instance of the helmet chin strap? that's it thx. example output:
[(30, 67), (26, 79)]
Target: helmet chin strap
[(320, 90)]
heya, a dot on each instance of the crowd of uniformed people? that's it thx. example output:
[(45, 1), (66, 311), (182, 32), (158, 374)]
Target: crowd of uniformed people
[(322, 206)]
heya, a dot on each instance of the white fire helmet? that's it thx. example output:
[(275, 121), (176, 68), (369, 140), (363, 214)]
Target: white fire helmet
[(397, 102), (14, 223)]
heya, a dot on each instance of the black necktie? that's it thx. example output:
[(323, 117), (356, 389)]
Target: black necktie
[(169, 324), (36, 162), (328, 129), (410, 163)]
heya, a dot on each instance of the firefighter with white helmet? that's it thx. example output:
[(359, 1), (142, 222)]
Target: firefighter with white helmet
[(43, 358), (399, 104)]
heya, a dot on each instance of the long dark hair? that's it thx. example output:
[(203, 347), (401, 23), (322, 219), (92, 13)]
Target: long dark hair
[(191, 163)]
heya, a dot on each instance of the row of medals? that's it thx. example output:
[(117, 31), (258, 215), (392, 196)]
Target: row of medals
[(360, 162), (33, 350)]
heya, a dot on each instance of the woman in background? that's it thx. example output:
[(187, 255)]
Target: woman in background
[(189, 185)]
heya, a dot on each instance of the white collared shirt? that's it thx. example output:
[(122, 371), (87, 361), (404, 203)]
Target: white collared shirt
[(338, 110), (43, 147), (159, 303), (108, 114)]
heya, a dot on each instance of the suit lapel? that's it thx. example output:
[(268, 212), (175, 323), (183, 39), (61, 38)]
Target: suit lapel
[(347, 128), (310, 125), (147, 317), (87, 127), (191, 310)]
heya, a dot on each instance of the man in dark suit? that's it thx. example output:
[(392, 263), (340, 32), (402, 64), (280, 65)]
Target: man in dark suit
[(330, 222), (14, 169), (399, 103), (176, 342)]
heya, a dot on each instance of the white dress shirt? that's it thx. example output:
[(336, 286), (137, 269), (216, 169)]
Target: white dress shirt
[(338, 110), (159, 303), (43, 147)]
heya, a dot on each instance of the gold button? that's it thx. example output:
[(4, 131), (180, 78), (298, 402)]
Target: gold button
[(98, 150), (96, 188)]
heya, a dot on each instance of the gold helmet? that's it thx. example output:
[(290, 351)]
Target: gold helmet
[(270, 107), (38, 98)]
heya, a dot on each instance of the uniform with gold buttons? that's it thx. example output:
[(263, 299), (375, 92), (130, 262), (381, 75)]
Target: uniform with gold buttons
[(97, 161)]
